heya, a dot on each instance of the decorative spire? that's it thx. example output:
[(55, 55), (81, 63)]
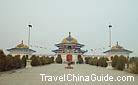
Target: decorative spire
[(117, 43), (22, 42), (69, 34)]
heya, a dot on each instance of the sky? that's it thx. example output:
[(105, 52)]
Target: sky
[(87, 20)]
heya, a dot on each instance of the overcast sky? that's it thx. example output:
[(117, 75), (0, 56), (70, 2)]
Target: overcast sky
[(87, 20)]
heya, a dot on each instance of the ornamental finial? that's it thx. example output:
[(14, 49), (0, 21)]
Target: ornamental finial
[(69, 33), (22, 42), (117, 43)]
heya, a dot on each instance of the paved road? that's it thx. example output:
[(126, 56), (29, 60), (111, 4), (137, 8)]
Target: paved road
[(32, 76)]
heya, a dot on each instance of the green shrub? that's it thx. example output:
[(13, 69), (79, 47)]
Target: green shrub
[(97, 62), (9, 62), (51, 59), (35, 61), (106, 58), (120, 65), (87, 60), (2, 60), (114, 61), (59, 59), (133, 65), (17, 62), (111, 58), (93, 61), (43, 60), (102, 62), (90, 61), (80, 60), (47, 60)]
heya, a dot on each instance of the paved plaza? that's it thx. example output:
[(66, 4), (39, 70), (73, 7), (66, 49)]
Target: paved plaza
[(31, 76)]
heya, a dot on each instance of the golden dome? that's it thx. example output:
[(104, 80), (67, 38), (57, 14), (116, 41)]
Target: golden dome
[(69, 39), (22, 45)]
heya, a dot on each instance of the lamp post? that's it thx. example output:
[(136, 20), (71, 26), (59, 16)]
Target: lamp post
[(28, 61), (29, 28), (110, 38), (110, 42)]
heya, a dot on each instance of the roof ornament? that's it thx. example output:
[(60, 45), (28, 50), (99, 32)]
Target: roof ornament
[(69, 38), (22, 42), (117, 43), (69, 34)]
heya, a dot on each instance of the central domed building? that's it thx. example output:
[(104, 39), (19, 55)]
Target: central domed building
[(69, 46)]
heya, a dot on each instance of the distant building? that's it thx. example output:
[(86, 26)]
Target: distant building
[(69, 46), (21, 50), (117, 50)]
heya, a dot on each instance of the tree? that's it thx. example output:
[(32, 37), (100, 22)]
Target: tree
[(35, 61), (47, 60), (59, 59), (9, 64), (90, 61), (43, 60), (133, 65), (17, 61), (102, 62), (51, 59), (120, 65), (2, 60), (114, 61), (112, 57), (95, 61), (87, 60), (80, 60)]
